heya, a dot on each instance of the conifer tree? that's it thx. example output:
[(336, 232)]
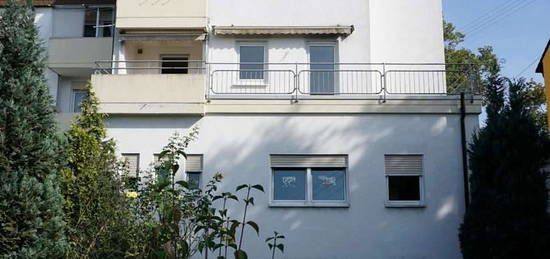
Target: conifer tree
[(507, 217), (31, 150), (95, 203)]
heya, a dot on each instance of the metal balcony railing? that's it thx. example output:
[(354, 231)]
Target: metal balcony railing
[(297, 80)]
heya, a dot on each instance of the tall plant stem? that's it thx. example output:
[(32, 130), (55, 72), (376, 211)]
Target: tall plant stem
[(221, 237), (244, 217), (274, 247)]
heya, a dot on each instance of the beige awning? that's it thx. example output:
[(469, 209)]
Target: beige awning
[(337, 30), (163, 35)]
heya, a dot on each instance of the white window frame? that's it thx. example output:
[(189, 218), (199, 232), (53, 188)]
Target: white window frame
[(333, 44), (73, 95), (309, 202), (252, 82), (404, 203)]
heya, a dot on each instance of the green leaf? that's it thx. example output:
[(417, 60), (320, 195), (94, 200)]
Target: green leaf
[(241, 187), (240, 254), (270, 246), (183, 184), (258, 187), (251, 200), (232, 245), (281, 247), (281, 237), (254, 226), (269, 238), (184, 248), (233, 227)]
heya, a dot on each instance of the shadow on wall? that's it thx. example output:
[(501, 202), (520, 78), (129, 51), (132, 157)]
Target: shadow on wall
[(239, 147)]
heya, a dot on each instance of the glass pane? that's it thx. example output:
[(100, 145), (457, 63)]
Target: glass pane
[(329, 184), (105, 22), (90, 16), (79, 97), (289, 184), (404, 188), (194, 179), (322, 69), (175, 65), (251, 62)]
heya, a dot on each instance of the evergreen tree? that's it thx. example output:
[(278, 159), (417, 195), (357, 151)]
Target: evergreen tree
[(95, 203), (31, 151), (507, 217)]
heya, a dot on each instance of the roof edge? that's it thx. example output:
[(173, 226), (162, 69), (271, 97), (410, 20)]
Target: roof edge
[(540, 68)]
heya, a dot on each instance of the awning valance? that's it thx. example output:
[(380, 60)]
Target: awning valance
[(337, 30)]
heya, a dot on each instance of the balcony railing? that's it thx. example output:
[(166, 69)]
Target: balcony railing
[(314, 80)]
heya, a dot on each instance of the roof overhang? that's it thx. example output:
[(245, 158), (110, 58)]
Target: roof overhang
[(337, 30)]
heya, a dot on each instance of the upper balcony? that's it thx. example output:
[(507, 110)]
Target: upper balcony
[(161, 15), (173, 86)]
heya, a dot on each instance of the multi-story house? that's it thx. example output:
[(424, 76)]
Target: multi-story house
[(344, 110)]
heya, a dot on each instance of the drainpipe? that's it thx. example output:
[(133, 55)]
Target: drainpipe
[(464, 149)]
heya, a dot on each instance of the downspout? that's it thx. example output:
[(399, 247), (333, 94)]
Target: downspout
[(464, 149)]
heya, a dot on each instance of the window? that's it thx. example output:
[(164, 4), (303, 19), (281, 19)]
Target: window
[(193, 170), (132, 164), (322, 69), (404, 180), (98, 22), (78, 97), (309, 181), (175, 65), (251, 61)]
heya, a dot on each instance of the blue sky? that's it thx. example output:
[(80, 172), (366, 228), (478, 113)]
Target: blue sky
[(517, 29)]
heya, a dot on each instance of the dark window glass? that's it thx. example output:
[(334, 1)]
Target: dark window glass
[(289, 184), (328, 184), (194, 180), (322, 60), (175, 65), (404, 188), (106, 22), (90, 18), (251, 62)]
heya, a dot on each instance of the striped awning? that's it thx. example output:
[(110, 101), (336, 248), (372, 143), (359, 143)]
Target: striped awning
[(337, 30)]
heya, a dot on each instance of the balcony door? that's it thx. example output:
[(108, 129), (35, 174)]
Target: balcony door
[(322, 64)]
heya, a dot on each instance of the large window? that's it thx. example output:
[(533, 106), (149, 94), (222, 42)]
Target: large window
[(404, 180), (322, 68), (251, 61), (309, 180), (98, 22)]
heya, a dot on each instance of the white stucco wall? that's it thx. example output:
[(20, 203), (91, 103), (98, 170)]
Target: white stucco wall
[(240, 145)]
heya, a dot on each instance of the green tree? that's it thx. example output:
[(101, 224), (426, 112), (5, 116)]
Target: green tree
[(96, 209), (484, 63), (31, 151), (507, 217)]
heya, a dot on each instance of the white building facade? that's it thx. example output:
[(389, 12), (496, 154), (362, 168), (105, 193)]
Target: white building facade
[(343, 110)]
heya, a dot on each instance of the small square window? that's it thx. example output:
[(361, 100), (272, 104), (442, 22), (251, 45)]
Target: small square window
[(328, 184), (289, 184), (404, 188), (79, 96), (251, 62)]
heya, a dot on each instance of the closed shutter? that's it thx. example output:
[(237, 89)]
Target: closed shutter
[(339, 161), (132, 163), (403, 164), (193, 163)]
